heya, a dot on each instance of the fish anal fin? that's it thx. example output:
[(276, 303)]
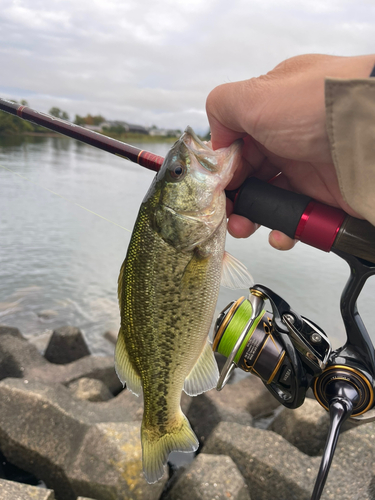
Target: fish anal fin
[(234, 274), (204, 374), (155, 449), (124, 368)]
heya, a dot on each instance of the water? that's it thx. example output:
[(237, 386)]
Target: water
[(59, 263)]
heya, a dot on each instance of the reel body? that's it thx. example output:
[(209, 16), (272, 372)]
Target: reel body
[(291, 354)]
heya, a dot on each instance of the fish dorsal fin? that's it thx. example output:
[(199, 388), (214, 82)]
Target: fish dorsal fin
[(234, 274), (204, 374), (124, 368)]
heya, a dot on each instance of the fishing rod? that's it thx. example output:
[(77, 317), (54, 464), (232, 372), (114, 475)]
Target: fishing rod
[(286, 350), (300, 217)]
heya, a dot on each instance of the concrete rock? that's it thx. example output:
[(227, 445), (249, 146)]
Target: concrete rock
[(237, 402), (20, 358), (271, 466), (96, 367), (305, 427), (108, 465), (8, 330), (67, 344), (41, 341), (46, 432), (210, 477), (17, 355), (111, 336), (9, 490), (210, 408), (47, 314), (89, 389), (351, 474)]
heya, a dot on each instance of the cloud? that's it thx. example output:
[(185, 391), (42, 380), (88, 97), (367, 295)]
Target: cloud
[(155, 61)]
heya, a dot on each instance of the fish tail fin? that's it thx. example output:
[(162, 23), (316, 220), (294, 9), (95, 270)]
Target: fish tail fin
[(156, 447)]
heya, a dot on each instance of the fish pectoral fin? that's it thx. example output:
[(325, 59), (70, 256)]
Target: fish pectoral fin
[(204, 374), (124, 368), (234, 274), (156, 448)]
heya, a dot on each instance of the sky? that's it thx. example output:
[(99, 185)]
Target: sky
[(153, 62)]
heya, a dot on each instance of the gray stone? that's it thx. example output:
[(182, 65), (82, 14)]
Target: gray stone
[(351, 473), (9, 330), (108, 465), (20, 358), (210, 477), (9, 490), (47, 314), (41, 341), (89, 389), (20, 395), (75, 447), (16, 355), (271, 466), (210, 408), (305, 427), (85, 498), (97, 367), (67, 344), (111, 336), (259, 401), (237, 402)]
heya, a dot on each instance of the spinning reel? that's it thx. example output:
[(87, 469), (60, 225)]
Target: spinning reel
[(291, 354)]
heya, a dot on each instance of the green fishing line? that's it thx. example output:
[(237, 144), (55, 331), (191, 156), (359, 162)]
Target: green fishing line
[(235, 328)]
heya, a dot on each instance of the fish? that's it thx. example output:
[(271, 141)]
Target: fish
[(168, 288)]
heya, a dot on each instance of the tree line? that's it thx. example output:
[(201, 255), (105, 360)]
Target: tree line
[(12, 125)]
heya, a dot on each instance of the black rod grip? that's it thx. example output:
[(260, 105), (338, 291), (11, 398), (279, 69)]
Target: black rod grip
[(270, 206)]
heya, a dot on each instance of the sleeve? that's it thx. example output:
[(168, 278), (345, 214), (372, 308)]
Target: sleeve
[(350, 120)]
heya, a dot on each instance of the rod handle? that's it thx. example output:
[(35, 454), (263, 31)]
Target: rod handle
[(303, 218)]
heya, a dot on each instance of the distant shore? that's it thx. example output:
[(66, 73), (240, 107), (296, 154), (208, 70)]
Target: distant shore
[(130, 136)]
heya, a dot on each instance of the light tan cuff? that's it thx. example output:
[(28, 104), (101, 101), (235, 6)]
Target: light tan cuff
[(350, 119)]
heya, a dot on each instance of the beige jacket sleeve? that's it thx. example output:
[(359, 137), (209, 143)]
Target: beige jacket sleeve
[(350, 116)]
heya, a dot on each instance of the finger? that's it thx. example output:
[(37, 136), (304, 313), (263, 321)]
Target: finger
[(227, 107), (240, 227), (229, 207), (281, 241)]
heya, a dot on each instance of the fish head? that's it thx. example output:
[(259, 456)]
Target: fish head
[(191, 200)]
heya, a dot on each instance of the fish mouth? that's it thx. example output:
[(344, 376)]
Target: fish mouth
[(190, 132), (213, 160)]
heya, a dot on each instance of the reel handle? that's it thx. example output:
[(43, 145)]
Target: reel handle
[(303, 218), (342, 398)]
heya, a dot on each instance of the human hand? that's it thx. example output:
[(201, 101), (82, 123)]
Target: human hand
[(281, 117)]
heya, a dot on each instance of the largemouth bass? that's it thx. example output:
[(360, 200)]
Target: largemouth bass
[(168, 288)]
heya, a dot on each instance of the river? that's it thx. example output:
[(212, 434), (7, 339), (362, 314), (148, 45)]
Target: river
[(59, 262)]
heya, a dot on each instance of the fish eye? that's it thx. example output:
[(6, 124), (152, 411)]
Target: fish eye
[(177, 171)]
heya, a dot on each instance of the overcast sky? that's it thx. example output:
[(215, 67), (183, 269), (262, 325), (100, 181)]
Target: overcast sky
[(155, 61)]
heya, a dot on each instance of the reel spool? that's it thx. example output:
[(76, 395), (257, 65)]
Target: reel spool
[(259, 352)]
